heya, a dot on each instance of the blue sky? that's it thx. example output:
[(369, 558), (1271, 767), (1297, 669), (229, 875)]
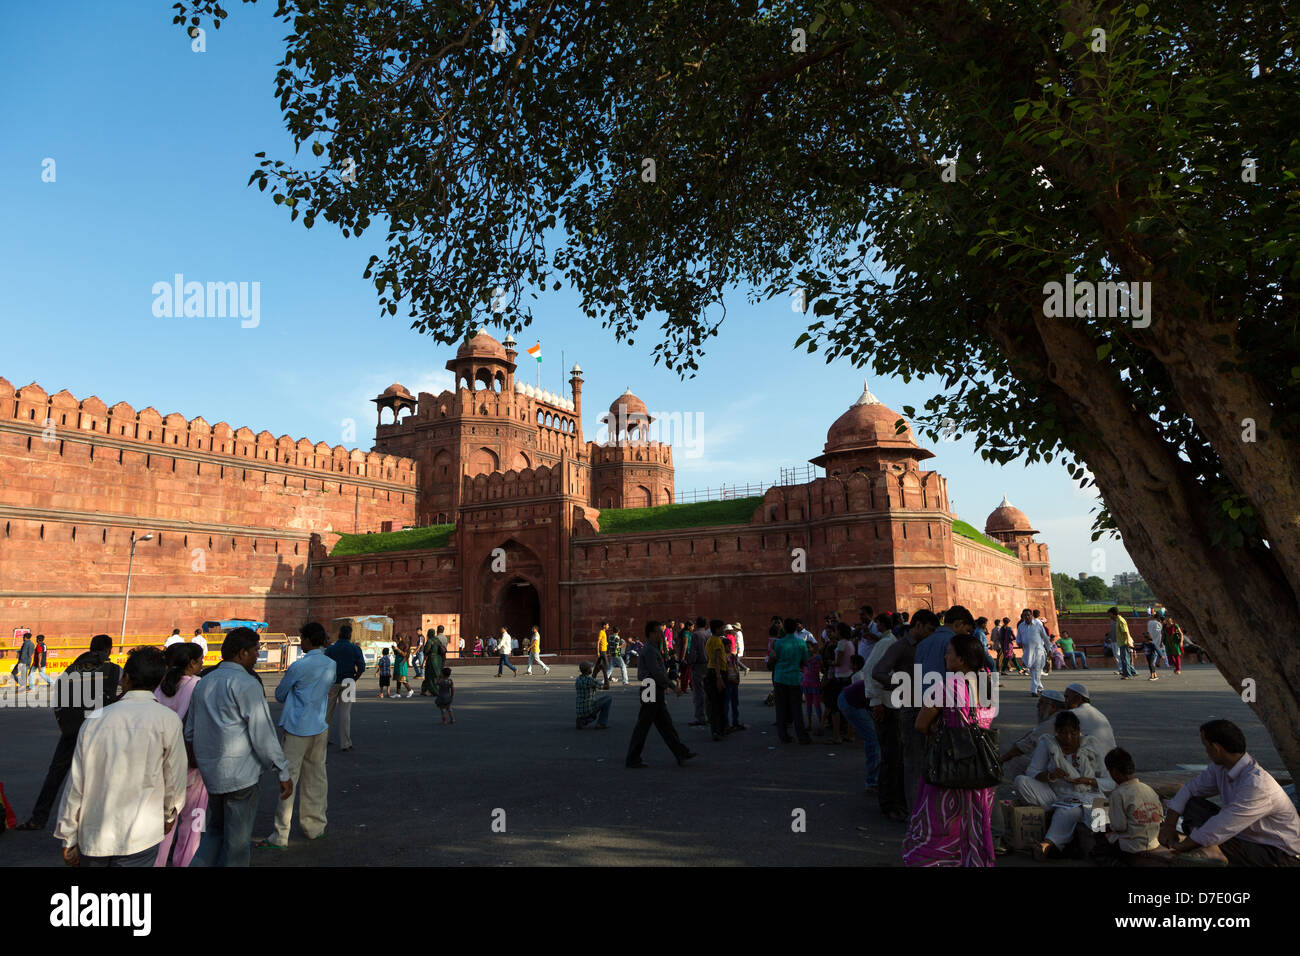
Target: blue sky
[(153, 145)]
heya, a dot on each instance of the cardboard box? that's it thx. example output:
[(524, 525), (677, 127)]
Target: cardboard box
[(1026, 827)]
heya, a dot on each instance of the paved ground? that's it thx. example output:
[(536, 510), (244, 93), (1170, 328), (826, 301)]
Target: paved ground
[(416, 793)]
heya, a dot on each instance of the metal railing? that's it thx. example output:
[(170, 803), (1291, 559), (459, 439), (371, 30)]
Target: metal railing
[(793, 475), (721, 493)]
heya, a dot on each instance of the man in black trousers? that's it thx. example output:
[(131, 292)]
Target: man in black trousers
[(654, 701), (85, 669)]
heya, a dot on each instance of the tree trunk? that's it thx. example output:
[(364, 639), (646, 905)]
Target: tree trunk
[(1237, 602)]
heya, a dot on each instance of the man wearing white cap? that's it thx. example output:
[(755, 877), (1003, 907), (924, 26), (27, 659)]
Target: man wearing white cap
[(1049, 704), (1092, 722)]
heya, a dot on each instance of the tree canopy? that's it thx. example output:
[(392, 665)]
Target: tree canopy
[(951, 187)]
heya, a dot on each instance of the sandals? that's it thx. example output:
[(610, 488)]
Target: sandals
[(268, 845)]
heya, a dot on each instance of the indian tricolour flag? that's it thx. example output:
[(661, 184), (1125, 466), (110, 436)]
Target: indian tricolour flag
[(536, 351)]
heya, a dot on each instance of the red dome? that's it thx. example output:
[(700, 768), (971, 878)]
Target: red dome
[(1005, 518), (395, 391), (629, 406), (868, 423), (481, 345)]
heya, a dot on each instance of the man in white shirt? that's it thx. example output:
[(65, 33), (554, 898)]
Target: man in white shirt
[(1032, 638), (1257, 824), (127, 783), (1152, 646), (1092, 722)]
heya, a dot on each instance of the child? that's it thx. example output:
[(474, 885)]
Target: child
[(673, 668), (402, 673), (385, 674), (589, 706), (1135, 812), (1172, 635), (446, 693), (732, 702), (812, 692)]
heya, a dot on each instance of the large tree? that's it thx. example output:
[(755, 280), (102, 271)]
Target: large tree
[(919, 172)]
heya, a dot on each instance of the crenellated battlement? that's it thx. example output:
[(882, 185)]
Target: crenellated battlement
[(566, 477), (630, 452), (121, 422), (859, 493)]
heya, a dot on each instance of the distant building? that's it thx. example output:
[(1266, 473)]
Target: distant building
[(1083, 575), (1125, 579)]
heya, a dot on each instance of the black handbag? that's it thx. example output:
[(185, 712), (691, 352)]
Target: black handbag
[(963, 757)]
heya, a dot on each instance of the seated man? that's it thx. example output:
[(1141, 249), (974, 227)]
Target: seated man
[(1050, 702), (1076, 660), (589, 706), (1257, 824), (1092, 722), (1066, 774)]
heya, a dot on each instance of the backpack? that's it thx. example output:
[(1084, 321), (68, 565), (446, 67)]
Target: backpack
[(733, 670)]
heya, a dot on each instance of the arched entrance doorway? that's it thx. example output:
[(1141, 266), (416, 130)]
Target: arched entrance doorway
[(519, 608)]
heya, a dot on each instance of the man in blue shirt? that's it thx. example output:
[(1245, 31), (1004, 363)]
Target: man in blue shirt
[(233, 739), (350, 664), (304, 691)]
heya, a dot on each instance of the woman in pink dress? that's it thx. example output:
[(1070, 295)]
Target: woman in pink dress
[(953, 827), (184, 661)]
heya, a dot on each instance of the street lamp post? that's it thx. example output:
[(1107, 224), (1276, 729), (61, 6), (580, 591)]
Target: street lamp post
[(129, 564)]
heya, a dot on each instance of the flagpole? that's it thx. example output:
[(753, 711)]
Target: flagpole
[(562, 395)]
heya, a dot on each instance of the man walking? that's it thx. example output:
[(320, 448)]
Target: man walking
[(602, 653), (1032, 638), (233, 739), (36, 670), (535, 652), (1123, 644), (349, 665), (304, 691), (504, 645), (89, 682), (25, 655), (650, 671), (616, 654), (127, 782)]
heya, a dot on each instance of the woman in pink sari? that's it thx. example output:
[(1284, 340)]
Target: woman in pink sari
[(184, 661), (953, 827)]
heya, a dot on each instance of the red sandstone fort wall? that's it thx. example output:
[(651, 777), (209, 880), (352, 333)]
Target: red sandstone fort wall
[(993, 584), (402, 585), (231, 513)]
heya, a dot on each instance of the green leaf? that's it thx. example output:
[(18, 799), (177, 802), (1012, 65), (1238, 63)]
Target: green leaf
[(1104, 350)]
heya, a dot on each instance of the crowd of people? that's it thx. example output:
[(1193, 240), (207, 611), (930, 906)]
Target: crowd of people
[(178, 784)]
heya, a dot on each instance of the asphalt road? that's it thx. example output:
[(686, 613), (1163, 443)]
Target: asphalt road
[(413, 792)]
